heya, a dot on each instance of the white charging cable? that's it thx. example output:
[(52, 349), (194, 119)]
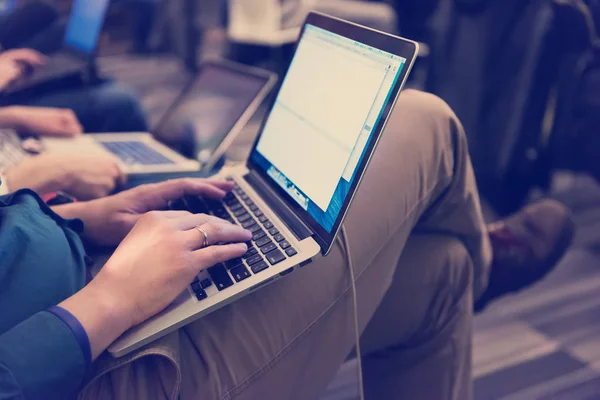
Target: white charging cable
[(343, 240)]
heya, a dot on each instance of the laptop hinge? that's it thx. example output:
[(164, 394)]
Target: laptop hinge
[(291, 220)]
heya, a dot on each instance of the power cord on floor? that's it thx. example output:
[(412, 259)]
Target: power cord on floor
[(343, 239)]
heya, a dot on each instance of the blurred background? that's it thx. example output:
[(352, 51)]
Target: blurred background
[(522, 75)]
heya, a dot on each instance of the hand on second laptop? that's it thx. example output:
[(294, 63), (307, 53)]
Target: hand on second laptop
[(15, 64), (42, 121), (84, 177)]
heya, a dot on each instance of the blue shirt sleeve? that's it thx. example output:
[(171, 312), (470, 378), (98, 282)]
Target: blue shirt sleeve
[(40, 358), (42, 262), (78, 331)]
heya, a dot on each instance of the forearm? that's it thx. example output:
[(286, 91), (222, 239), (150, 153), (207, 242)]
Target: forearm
[(72, 210), (8, 118)]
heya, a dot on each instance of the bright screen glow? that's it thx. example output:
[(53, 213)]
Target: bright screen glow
[(324, 115)]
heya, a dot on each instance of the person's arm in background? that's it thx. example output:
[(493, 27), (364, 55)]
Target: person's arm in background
[(83, 177), (43, 121), (15, 63), (46, 355)]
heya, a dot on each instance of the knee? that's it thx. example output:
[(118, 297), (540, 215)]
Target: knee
[(432, 113), (425, 104)]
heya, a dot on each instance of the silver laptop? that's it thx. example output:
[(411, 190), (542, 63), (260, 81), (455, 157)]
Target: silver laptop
[(78, 48), (304, 168), (210, 113)]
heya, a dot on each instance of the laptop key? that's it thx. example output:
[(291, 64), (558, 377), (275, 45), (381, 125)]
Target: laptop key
[(205, 283), (231, 202), (285, 244), (273, 231), (200, 294), (268, 247), (254, 259), (275, 257), (262, 218), (243, 217), (239, 211), (278, 237), (254, 228), (233, 263), (290, 251), (261, 266), (268, 224), (196, 287), (249, 202), (258, 235), (236, 207), (220, 277), (251, 251), (240, 273), (263, 241), (253, 207), (257, 213), (248, 223)]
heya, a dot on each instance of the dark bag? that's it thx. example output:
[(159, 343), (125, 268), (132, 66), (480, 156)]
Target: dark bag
[(576, 136), (499, 68)]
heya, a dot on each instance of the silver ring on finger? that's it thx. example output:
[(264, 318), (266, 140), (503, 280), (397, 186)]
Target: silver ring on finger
[(204, 236)]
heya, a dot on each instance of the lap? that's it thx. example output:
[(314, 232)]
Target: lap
[(288, 339)]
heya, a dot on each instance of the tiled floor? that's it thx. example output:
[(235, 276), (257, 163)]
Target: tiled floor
[(542, 344)]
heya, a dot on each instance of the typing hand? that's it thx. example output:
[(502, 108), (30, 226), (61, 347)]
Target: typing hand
[(150, 268), (110, 219), (43, 121), (15, 64), (84, 177)]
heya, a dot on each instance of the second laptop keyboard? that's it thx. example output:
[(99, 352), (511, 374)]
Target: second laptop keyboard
[(135, 153)]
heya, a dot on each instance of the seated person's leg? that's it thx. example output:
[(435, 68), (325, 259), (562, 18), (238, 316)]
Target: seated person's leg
[(417, 345), (103, 108), (50, 40), (286, 341)]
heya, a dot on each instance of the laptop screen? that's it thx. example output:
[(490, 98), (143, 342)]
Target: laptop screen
[(323, 118), (85, 24), (217, 99)]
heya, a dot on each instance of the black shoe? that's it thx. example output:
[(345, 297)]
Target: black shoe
[(527, 246)]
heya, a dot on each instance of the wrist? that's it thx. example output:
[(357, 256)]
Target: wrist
[(101, 313), (99, 227)]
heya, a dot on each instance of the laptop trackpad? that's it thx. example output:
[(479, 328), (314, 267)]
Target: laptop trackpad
[(83, 145)]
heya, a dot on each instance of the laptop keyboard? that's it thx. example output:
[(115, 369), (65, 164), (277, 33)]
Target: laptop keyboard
[(11, 152), (136, 153), (268, 246)]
